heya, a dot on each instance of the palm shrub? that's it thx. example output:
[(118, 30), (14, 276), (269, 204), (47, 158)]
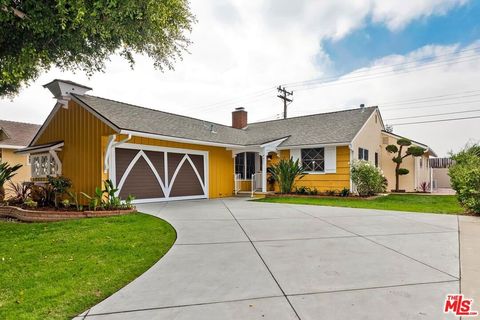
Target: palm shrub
[(367, 178), (6, 173), (285, 172), (465, 177), (398, 157)]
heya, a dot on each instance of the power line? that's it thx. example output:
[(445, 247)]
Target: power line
[(384, 66), (430, 106), (354, 79), (432, 121), (427, 98), (433, 115)]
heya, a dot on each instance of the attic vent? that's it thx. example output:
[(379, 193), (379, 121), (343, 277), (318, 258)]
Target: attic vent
[(385, 140)]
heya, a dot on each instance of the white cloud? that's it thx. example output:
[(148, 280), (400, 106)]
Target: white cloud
[(242, 47)]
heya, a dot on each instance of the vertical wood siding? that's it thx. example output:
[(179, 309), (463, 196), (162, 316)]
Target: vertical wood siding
[(81, 156)]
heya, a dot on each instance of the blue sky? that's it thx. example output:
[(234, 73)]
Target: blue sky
[(460, 25)]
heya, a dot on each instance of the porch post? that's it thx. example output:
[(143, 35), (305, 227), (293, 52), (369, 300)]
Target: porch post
[(264, 171)]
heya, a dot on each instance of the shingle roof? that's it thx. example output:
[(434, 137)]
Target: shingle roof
[(130, 117), (17, 133), (323, 128)]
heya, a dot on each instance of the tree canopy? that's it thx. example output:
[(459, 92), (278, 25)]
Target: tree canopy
[(83, 34)]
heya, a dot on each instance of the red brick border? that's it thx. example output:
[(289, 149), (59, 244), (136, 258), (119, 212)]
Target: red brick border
[(47, 216)]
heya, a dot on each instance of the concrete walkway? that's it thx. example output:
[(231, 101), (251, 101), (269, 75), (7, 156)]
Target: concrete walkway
[(236, 259)]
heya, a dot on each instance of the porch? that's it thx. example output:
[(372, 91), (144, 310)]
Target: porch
[(250, 168)]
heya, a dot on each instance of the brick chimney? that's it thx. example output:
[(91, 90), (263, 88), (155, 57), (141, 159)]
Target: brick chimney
[(239, 118)]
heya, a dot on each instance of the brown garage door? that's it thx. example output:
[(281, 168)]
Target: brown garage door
[(160, 173)]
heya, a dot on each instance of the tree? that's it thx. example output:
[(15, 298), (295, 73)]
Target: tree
[(413, 151), (465, 177), (285, 172), (83, 34), (6, 173)]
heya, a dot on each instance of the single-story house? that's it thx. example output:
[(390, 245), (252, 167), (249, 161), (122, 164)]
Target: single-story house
[(15, 136), (156, 155)]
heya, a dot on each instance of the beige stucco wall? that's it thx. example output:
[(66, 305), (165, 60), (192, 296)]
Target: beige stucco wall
[(23, 174), (410, 182), (369, 138), (440, 175)]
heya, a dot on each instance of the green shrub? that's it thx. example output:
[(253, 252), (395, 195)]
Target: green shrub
[(285, 172), (60, 186), (368, 179), (345, 192), (465, 177)]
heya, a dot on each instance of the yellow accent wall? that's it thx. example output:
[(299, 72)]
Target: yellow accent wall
[(323, 182), (81, 156), (86, 138)]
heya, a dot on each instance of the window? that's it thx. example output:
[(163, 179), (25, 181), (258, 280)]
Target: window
[(245, 164), (313, 159), (421, 163), (376, 159), (362, 154), (43, 165)]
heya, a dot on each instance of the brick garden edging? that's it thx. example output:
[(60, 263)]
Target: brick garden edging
[(49, 216)]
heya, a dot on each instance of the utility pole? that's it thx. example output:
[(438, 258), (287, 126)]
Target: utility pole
[(284, 96)]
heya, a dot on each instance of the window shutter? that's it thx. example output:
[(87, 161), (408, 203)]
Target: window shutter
[(330, 159), (295, 154)]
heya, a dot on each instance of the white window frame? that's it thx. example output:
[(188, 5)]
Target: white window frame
[(52, 157), (324, 160), (245, 166)]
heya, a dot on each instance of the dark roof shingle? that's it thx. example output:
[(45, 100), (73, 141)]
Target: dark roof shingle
[(323, 128)]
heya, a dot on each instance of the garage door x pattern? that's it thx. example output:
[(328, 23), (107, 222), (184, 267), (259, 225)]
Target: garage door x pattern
[(161, 173)]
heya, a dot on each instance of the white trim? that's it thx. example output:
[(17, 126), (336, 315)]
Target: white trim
[(58, 106), (6, 146), (150, 200), (166, 185), (54, 155), (43, 149), (175, 139), (309, 146), (108, 152)]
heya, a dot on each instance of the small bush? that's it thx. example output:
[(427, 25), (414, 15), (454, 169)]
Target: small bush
[(425, 186), (313, 192), (345, 192), (302, 190), (368, 179), (465, 177), (331, 192)]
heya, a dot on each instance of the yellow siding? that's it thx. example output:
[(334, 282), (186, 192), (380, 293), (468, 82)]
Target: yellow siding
[(331, 181), (85, 138), (220, 163), (81, 156), (328, 181)]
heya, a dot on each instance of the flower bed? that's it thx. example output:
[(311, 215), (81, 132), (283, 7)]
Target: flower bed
[(46, 215)]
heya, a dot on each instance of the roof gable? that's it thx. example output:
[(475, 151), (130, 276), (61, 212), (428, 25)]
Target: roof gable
[(17, 134)]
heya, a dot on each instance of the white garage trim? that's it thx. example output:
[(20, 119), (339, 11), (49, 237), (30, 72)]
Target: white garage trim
[(166, 185)]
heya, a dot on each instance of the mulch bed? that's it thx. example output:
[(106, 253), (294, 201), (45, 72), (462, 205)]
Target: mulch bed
[(46, 215), (296, 195)]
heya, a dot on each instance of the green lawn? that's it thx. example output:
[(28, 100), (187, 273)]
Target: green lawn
[(58, 270), (399, 202)]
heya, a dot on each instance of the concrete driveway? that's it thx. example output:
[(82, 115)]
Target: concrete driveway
[(236, 259)]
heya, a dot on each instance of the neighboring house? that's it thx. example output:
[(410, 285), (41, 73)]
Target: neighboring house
[(419, 167), (15, 136), (441, 179), (156, 155)]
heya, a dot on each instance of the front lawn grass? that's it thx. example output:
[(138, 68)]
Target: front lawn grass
[(58, 270), (397, 202)]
